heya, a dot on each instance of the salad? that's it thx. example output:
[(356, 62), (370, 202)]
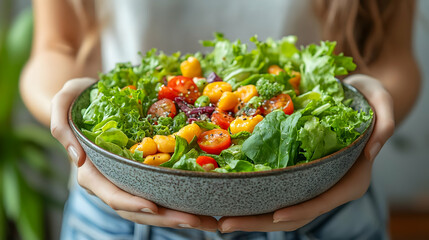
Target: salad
[(232, 109)]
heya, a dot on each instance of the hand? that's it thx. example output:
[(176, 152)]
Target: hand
[(130, 207), (352, 186)]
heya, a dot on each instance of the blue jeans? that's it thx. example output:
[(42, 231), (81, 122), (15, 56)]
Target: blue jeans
[(87, 217)]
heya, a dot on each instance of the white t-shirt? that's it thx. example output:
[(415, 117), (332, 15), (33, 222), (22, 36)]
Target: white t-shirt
[(132, 26)]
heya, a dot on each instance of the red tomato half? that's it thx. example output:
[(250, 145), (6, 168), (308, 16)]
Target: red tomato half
[(167, 92), (282, 101), (214, 141), (222, 119), (208, 163), (186, 88), (163, 108)]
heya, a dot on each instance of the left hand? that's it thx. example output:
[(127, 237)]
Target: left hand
[(352, 186)]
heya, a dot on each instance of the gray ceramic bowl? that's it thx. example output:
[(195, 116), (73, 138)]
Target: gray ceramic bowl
[(224, 194)]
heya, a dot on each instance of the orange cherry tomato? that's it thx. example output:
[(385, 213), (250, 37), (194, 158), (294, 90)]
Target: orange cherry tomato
[(275, 69), (214, 141), (163, 108), (129, 87), (222, 119), (208, 163), (295, 81), (186, 88), (281, 101)]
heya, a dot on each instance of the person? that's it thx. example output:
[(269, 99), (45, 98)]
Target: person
[(74, 40)]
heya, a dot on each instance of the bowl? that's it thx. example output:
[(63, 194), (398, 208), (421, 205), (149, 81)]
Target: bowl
[(225, 194)]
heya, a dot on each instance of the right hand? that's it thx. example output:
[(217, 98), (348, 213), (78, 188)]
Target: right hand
[(128, 206)]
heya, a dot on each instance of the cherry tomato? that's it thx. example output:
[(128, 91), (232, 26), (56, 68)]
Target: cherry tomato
[(186, 88), (282, 101), (163, 108), (129, 87), (208, 163), (214, 141), (222, 119), (275, 69), (167, 92), (295, 81)]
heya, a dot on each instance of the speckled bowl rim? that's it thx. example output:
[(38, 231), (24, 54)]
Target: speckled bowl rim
[(196, 174)]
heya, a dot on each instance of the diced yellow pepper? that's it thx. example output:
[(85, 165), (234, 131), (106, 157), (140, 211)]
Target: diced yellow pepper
[(191, 68), (165, 144), (157, 159), (245, 93), (227, 101), (244, 123), (147, 146), (188, 132), (215, 90)]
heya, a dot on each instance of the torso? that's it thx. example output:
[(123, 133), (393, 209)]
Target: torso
[(168, 25)]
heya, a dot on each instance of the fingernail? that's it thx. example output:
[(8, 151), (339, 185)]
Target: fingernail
[(73, 154), (185, 225), (373, 151), (226, 230), (147, 210), (276, 220)]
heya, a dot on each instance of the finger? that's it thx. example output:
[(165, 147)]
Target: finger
[(59, 122), (92, 180), (259, 223), (171, 218), (352, 186), (382, 103), (208, 223)]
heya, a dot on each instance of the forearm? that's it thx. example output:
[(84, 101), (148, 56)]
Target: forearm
[(45, 74), (399, 74)]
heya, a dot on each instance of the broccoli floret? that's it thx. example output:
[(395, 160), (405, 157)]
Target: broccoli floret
[(268, 89), (255, 102), (250, 109)]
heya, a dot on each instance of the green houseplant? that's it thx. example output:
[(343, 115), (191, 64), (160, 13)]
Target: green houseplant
[(23, 146)]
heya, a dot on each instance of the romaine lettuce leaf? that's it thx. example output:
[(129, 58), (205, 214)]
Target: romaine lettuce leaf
[(273, 141)]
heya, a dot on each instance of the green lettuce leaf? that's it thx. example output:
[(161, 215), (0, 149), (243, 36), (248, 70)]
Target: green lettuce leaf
[(317, 139), (188, 162), (319, 66), (273, 141)]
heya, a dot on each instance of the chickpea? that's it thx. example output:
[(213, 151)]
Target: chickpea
[(215, 90), (244, 123), (157, 159), (147, 146), (165, 144)]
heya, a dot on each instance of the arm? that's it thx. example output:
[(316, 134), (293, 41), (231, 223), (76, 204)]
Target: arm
[(396, 67), (48, 93), (392, 90), (56, 43)]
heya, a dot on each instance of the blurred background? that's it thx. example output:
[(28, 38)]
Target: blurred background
[(33, 173)]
